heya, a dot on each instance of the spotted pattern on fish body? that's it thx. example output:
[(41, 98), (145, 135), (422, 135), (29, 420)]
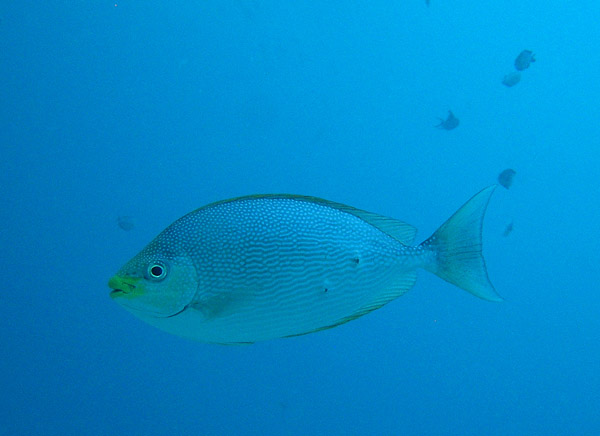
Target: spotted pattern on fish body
[(262, 267)]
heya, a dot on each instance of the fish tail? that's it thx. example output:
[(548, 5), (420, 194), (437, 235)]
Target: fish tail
[(456, 248)]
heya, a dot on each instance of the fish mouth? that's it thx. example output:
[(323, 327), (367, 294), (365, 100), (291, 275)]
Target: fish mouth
[(115, 293), (124, 287)]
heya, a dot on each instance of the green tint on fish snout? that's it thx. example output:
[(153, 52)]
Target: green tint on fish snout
[(155, 285)]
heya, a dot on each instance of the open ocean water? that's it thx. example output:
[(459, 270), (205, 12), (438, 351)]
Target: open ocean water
[(150, 109)]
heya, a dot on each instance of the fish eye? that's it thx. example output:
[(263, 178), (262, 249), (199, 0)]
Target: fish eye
[(157, 271)]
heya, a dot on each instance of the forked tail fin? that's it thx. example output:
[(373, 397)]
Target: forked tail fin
[(457, 247)]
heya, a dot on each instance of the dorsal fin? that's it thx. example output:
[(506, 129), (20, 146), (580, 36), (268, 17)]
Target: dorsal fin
[(401, 231)]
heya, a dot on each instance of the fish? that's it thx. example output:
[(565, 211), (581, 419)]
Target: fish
[(126, 223), (508, 229), (511, 79), (451, 122), (506, 177), (525, 58), (270, 266)]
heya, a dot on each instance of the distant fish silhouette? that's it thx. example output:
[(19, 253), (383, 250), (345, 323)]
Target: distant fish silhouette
[(525, 58), (505, 178), (449, 123), (126, 223), (511, 79), (508, 230)]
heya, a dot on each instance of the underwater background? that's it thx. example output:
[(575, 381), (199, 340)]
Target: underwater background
[(151, 109)]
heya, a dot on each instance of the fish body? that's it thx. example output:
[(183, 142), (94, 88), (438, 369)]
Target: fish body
[(525, 58), (126, 223), (506, 177), (450, 123), (270, 266), (511, 79)]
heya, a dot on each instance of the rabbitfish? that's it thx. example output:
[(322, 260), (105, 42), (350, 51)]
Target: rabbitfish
[(270, 266)]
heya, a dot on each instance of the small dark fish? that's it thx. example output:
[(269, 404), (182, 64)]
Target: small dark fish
[(449, 123), (126, 223), (505, 178), (511, 79), (525, 58), (508, 230)]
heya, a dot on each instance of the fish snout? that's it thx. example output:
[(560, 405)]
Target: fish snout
[(122, 286)]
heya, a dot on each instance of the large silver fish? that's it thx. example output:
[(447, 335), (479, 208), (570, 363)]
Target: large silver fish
[(270, 266)]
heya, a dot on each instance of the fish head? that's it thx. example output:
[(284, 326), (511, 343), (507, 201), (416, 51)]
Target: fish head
[(156, 283)]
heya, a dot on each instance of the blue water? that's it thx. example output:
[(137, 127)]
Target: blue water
[(151, 109)]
